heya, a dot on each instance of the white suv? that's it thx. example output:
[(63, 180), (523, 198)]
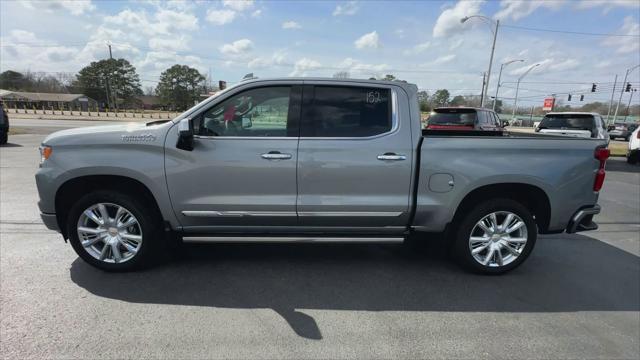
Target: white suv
[(633, 155)]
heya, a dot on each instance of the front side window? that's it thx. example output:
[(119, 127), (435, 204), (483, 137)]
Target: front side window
[(261, 112), (348, 112)]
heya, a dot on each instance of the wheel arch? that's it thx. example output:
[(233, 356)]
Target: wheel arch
[(534, 198), (73, 189)]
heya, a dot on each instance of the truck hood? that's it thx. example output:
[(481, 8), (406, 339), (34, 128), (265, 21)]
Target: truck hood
[(567, 132), (105, 134)]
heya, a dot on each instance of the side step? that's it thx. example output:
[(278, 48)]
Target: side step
[(291, 239)]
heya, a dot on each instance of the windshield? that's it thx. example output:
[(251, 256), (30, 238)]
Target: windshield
[(452, 117), (575, 122)]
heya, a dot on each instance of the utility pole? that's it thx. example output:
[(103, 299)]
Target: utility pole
[(626, 74), (629, 104), (615, 82), (110, 54), (495, 99), (484, 83), (491, 22), (515, 101)]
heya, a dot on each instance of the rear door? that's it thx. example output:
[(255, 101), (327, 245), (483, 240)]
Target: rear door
[(354, 157)]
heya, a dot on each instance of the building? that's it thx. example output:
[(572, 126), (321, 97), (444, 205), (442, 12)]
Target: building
[(149, 102), (29, 100)]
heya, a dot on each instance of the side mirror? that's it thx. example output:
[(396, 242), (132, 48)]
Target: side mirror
[(246, 122), (185, 135), (505, 123)]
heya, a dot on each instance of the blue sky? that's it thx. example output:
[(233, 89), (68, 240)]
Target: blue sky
[(420, 41)]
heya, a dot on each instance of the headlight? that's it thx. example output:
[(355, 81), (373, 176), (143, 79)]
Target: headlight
[(45, 152)]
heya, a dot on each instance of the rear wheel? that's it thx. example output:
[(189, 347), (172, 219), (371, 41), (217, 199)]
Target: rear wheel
[(496, 236), (4, 136), (114, 231)]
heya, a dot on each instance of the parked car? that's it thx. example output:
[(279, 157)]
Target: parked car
[(633, 155), (312, 160), (576, 124), (4, 125), (622, 130), (463, 118)]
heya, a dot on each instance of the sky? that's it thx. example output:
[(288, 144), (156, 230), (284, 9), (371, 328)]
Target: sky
[(422, 42)]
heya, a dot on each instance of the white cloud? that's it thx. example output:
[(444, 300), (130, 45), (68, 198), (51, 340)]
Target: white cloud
[(220, 17), (456, 43), (348, 8), (568, 64), (356, 66), (169, 44), (370, 40), (77, 7), (291, 25), (448, 22), (440, 60), (164, 22), (303, 65), (256, 14), (587, 4), (238, 5), (238, 47), (518, 9), (625, 44), (278, 58), (418, 48)]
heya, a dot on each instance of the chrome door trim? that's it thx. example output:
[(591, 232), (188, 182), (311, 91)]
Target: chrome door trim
[(216, 213), (351, 213), (395, 124), (290, 239)]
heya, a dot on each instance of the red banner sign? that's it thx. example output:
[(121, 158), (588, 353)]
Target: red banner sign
[(548, 104)]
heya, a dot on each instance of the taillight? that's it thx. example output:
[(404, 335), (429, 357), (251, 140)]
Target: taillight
[(638, 135), (601, 154)]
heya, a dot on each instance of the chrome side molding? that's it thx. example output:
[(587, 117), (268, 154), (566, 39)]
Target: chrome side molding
[(291, 239)]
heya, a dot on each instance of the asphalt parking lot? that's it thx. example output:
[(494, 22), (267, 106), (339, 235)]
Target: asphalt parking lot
[(578, 296)]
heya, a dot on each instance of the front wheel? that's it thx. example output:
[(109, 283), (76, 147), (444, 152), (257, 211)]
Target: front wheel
[(114, 231), (4, 137), (496, 236)]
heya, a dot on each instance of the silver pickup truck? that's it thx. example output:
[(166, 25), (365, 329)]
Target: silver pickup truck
[(313, 160)]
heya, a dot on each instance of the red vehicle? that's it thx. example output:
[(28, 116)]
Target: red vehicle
[(463, 118)]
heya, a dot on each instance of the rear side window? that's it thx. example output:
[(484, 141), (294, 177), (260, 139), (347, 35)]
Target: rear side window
[(568, 121), (452, 117), (348, 112)]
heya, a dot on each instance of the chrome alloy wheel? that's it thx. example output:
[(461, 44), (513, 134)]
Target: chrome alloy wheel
[(498, 239), (109, 233)]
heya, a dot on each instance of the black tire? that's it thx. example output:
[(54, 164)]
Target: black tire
[(633, 158), (4, 137), (463, 230), (153, 240), (627, 138)]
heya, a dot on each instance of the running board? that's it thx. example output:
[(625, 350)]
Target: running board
[(290, 239)]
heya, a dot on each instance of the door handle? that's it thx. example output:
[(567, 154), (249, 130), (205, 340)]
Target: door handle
[(392, 157), (275, 155)]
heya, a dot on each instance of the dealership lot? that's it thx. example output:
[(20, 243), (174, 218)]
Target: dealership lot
[(577, 297)]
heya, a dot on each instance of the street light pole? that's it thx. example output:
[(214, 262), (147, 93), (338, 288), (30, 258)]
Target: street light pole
[(615, 116), (502, 66), (515, 101), (629, 104), (493, 48)]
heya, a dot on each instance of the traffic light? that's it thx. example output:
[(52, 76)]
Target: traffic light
[(581, 97), (593, 88), (569, 98), (628, 88)]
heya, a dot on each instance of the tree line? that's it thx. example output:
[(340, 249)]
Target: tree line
[(114, 83)]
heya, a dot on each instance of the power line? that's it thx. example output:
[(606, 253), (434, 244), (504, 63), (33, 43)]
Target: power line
[(568, 32)]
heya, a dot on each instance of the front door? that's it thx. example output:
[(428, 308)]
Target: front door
[(242, 170), (354, 158)]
